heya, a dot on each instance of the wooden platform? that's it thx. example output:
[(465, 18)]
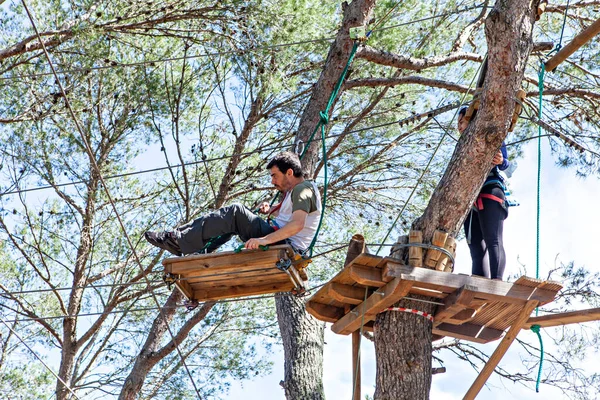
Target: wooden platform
[(474, 308), (228, 274)]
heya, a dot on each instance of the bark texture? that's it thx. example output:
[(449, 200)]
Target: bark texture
[(403, 353), (508, 30), (303, 340), (358, 13), (301, 333), (403, 341)]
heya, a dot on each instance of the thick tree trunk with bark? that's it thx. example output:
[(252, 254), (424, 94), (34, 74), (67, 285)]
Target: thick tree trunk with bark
[(303, 341), (146, 359), (403, 341), (301, 333), (358, 13)]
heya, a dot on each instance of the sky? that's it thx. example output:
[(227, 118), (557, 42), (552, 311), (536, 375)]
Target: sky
[(567, 217)]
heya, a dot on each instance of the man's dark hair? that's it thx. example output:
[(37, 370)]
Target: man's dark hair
[(463, 111), (287, 160)]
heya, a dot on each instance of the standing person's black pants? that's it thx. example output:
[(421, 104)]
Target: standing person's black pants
[(484, 228)]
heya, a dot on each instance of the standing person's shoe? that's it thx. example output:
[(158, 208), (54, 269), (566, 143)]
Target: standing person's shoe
[(165, 240)]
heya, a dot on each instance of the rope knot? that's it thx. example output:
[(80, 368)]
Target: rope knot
[(535, 329), (324, 117)]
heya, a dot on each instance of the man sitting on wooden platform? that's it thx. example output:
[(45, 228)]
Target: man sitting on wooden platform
[(294, 220)]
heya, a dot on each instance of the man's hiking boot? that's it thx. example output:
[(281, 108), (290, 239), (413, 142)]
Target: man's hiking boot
[(165, 240)]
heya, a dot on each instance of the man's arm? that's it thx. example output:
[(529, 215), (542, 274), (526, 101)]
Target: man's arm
[(290, 229)]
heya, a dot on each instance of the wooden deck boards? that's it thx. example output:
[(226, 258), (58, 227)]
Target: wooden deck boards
[(475, 308), (227, 274)]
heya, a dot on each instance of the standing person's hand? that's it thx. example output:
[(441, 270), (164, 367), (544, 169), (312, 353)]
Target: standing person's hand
[(264, 207), (498, 158)]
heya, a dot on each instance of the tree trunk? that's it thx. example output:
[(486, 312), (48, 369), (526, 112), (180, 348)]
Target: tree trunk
[(303, 338), (403, 341), (145, 360), (301, 333), (358, 13), (70, 345)]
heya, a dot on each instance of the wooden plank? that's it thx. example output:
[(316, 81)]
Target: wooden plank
[(356, 389), (432, 256), (455, 303), (365, 275), (241, 291), (366, 311), (487, 289), (502, 348), (346, 293), (443, 261), (384, 274), (272, 252), (471, 332), (230, 276), (324, 312), (573, 317), (242, 280), (415, 254), (582, 38), (185, 288)]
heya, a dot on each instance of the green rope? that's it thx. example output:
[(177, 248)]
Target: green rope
[(324, 120), (539, 173), (536, 329), (241, 247)]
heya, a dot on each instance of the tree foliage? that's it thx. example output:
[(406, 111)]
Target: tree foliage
[(212, 90)]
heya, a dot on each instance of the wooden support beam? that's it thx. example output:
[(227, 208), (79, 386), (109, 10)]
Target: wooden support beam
[(366, 276), (470, 332), (487, 289), (578, 41), (504, 345), (454, 303), (356, 375), (573, 317), (346, 293), (366, 311), (185, 288), (324, 312), (239, 291)]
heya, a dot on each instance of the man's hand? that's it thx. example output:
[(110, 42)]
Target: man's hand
[(253, 244), (264, 208), (498, 159)]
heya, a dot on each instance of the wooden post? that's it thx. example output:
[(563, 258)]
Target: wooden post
[(541, 9), (443, 261), (432, 256), (502, 348), (415, 254), (356, 389), (573, 46), (355, 248)]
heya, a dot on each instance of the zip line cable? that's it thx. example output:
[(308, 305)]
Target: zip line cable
[(229, 52), (402, 121), (428, 164), (38, 357), (108, 195)]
